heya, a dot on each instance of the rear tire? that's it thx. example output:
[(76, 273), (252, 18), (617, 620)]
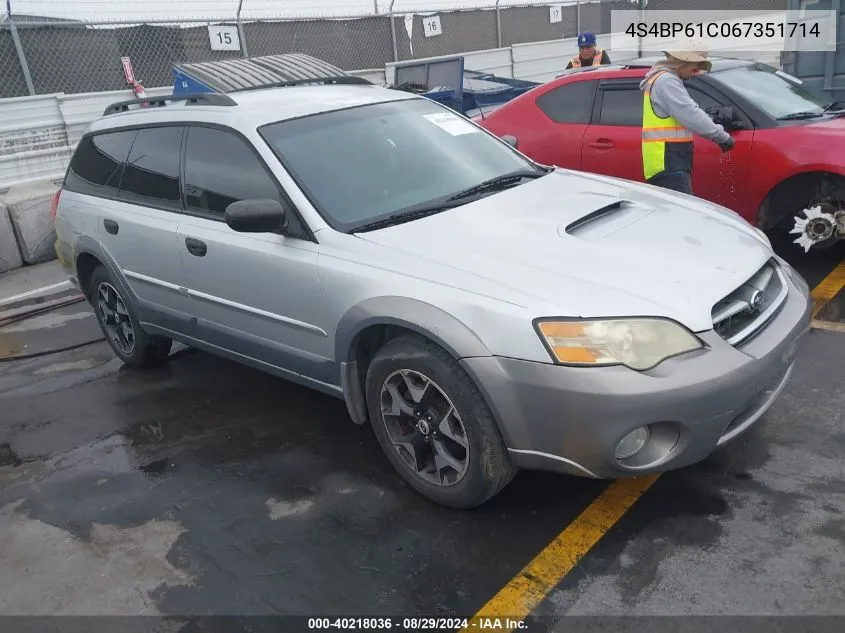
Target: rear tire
[(119, 323), (412, 385)]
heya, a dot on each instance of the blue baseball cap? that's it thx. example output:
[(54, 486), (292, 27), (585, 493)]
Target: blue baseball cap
[(586, 39)]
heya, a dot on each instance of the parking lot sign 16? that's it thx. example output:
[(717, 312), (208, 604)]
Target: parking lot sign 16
[(224, 37), (431, 26)]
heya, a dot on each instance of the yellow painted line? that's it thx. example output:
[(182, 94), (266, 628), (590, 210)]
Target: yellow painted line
[(830, 326), (828, 288), (528, 588)]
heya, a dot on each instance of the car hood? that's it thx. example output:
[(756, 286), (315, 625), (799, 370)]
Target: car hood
[(588, 246)]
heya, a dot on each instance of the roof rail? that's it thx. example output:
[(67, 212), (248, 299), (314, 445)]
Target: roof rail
[(589, 69), (207, 98), (340, 79)]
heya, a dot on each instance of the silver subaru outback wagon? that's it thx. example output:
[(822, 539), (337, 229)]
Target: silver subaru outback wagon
[(482, 312)]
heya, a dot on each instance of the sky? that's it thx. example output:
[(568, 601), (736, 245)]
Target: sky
[(182, 10)]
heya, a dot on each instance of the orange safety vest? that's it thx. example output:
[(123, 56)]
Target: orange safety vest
[(576, 61)]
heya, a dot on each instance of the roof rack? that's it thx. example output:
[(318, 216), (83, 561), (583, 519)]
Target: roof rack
[(210, 98), (340, 80)]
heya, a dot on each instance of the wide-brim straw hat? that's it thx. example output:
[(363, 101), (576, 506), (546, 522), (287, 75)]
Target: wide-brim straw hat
[(696, 53)]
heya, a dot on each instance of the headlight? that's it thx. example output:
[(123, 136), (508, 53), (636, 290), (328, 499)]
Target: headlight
[(762, 235), (639, 343)]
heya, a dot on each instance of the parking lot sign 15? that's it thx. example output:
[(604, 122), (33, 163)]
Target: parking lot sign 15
[(431, 26), (224, 38)]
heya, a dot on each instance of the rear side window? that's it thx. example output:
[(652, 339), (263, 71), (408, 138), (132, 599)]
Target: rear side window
[(221, 168), (97, 164), (621, 106), (569, 103), (151, 175)]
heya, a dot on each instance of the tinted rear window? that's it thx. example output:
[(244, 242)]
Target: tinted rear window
[(151, 175), (622, 106), (97, 164), (569, 103)]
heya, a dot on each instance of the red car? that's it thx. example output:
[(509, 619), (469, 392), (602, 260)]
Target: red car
[(790, 141)]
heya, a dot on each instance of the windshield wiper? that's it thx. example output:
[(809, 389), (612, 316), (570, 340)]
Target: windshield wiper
[(809, 114), (412, 213), (829, 107), (424, 209), (499, 183)]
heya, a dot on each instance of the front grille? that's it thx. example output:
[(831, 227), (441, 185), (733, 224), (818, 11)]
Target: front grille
[(745, 311)]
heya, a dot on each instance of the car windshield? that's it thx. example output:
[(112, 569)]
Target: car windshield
[(773, 91), (366, 163)]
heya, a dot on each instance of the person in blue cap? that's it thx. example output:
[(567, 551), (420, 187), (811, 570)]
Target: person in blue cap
[(588, 54)]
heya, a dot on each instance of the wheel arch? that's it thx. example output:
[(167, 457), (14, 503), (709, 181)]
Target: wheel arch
[(368, 325), (89, 254), (794, 190)]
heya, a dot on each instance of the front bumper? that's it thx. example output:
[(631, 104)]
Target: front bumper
[(570, 419)]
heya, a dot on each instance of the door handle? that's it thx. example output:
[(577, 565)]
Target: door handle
[(603, 143), (111, 226), (196, 247)]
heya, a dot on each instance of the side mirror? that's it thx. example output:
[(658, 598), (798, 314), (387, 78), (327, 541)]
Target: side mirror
[(511, 140), (256, 216), (725, 117)]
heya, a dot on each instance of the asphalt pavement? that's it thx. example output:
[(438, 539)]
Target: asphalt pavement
[(207, 488)]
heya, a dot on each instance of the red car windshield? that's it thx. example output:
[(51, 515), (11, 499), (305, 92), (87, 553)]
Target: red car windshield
[(775, 92)]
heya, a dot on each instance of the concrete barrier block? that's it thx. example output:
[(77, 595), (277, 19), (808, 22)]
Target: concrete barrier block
[(29, 211), (10, 255)]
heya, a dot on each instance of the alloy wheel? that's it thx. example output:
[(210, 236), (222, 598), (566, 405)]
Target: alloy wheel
[(115, 318), (424, 427)]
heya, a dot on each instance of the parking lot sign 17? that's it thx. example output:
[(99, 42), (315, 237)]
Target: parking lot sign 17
[(224, 37)]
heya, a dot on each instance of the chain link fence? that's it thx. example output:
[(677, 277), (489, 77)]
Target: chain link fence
[(44, 56)]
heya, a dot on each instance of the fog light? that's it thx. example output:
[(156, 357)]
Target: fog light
[(632, 443)]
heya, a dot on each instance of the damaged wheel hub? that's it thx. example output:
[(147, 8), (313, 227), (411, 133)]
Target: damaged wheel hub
[(819, 224)]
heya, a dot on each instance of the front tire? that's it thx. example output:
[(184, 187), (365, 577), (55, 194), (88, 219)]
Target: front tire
[(434, 425), (119, 324)]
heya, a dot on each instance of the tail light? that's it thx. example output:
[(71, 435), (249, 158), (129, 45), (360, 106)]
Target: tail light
[(54, 205)]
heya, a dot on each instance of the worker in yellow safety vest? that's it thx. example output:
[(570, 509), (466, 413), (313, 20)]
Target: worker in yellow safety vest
[(671, 117), (588, 54)]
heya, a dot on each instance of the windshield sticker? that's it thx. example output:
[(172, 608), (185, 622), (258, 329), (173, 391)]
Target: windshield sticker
[(451, 123)]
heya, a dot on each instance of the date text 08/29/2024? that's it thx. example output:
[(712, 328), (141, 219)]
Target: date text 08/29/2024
[(416, 624)]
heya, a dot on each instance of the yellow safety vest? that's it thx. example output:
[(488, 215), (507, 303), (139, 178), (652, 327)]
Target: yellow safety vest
[(657, 132), (576, 61)]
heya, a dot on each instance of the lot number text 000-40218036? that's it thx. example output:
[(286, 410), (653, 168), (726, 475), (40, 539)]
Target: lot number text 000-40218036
[(417, 623)]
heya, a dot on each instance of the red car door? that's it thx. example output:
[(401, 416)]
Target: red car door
[(612, 142), (718, 176)]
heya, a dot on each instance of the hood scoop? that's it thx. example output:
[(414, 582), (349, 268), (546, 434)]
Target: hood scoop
[(605, 220)]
